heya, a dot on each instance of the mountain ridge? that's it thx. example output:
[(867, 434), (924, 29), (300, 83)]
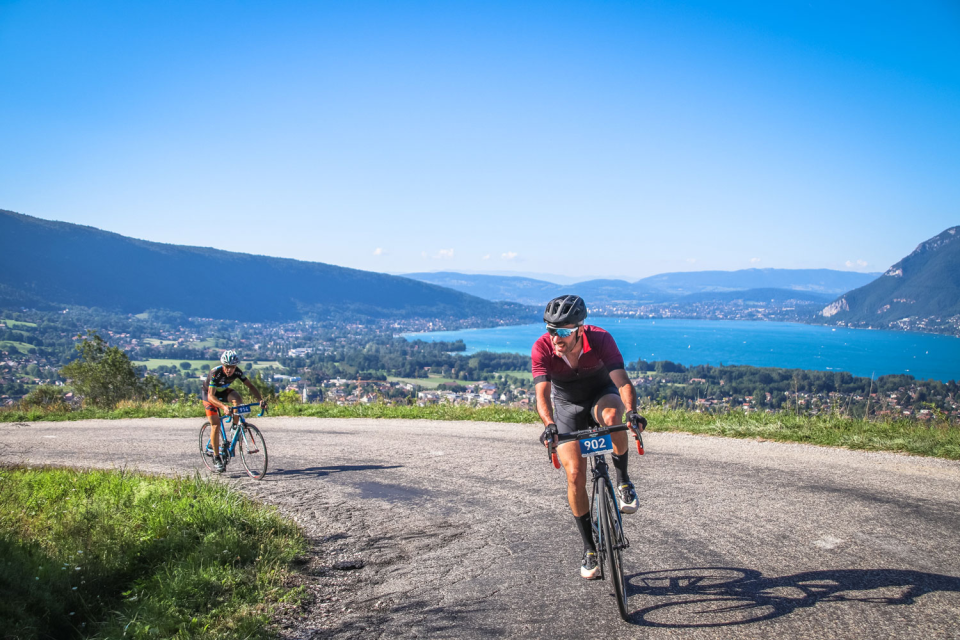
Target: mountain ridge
[(60, 263), (661, 288), (921, 291)]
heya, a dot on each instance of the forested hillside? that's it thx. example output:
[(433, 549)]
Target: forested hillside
[(922, 291), (47, 264)]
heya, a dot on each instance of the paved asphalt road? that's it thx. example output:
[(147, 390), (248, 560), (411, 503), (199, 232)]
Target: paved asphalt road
[(461, 530)]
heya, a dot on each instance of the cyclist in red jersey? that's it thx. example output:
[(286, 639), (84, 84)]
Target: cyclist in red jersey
[(579, 378)]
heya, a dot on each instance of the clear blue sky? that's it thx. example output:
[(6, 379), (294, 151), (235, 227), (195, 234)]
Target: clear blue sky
[(583, 139)]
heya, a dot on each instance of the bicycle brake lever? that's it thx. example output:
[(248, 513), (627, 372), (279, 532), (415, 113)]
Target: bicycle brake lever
[(639, 443), (552, 453)]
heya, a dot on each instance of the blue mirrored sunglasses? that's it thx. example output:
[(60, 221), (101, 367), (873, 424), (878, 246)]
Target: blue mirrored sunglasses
[(560, 332)]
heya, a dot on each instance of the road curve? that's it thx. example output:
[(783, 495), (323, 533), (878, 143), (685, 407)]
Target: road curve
[(449, 529)]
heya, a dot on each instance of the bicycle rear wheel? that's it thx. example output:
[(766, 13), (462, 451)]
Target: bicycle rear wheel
[(206, 447), (253, 451), (613, 541)]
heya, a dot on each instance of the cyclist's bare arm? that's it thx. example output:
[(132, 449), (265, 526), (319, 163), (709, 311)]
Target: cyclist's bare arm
[(253, 390), (628, 394), (544, 404)]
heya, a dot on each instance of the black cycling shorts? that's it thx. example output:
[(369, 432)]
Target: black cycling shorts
[(221, 394), (576, 416)]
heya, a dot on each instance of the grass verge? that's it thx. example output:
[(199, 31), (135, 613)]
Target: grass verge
[(108, 554), (941, 440), (938, 439)]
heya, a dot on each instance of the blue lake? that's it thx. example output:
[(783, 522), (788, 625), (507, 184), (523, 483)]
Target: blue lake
[(761, 344)]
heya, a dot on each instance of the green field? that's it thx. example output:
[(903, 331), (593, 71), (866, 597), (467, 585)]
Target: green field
[(13, 324), (199, 365), (430, 383), (156, 341), (112, 554), (522, 375), (7, 345)]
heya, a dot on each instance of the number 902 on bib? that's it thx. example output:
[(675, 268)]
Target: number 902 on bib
[(595, 446)]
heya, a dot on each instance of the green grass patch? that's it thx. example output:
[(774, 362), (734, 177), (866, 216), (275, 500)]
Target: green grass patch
[(442, 411), (108, 554), (156, 341), (520, 375), (13, 324), (941, 440), (319, 410), (10, 345)]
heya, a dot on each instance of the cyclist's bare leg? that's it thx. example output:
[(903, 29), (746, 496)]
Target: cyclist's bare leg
[(576, 468), (607, 412), (215, 434), (234, 398)]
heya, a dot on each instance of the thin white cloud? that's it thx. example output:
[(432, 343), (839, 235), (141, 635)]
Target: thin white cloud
[(858, 263), (423, 254), (486, 257), (754, 260), (691, 260), (444, 254), (379, 251), (509, 255)]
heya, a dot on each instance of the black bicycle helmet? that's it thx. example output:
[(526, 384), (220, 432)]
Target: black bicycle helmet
[(565, 310)]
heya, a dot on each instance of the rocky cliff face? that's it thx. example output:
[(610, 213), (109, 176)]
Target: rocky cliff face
[(922, 291)]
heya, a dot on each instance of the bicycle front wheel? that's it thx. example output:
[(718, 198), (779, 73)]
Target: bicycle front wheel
[(206, 447), (613, 541), (253, 451)]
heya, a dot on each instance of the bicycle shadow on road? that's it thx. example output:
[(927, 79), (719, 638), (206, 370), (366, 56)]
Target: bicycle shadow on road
[(727, 596), (326, 471)]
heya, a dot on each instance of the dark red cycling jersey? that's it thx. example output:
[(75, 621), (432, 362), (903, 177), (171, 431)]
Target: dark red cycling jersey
[(599, 357)]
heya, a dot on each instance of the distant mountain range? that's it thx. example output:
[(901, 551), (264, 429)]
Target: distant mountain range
[(778, 296), (818, 280), (781, 284), (922, 291), (46, 265)]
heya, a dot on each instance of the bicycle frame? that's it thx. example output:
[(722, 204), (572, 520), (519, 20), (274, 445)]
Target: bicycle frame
[(237, 425)]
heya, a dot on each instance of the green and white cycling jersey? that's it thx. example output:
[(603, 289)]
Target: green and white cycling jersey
[(219, 381)]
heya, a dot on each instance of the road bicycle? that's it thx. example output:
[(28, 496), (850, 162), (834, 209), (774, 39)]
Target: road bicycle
[(244, 437), (605, 516)]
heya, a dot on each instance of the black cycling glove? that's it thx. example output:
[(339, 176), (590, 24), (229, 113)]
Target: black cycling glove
[(548, 434), (636, 420)]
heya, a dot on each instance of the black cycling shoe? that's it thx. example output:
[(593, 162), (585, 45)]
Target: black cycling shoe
[(627, 497), (219, 465), (589, 567)]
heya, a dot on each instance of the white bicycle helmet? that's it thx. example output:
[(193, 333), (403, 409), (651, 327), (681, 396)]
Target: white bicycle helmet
[(230, 358)]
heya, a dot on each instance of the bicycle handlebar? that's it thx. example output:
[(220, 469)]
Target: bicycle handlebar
[(592, 433), (262, 405)]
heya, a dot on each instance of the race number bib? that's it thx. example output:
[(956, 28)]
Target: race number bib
[(596, 446)]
